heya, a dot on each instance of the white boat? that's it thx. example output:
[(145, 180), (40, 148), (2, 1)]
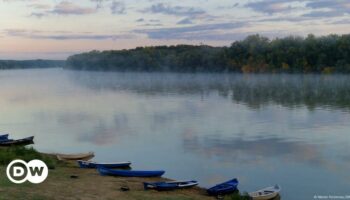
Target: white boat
[(266, 193), (79, 156)]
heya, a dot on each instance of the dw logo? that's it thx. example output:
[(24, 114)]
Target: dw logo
[(35, 171)]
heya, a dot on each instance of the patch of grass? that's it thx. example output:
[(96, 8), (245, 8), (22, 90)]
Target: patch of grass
[(25, 153)]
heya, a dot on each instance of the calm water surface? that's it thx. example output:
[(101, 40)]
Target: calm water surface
[(262, 129)]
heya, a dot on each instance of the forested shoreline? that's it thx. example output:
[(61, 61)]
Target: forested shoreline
[(254, 54), (27, 64)]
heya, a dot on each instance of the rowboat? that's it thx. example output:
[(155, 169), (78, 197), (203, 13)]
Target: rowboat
[(20, 142), (80, 156), (4, 137), (224, 188), (266, 193), (91, 164), (170, 185), (129, 173)]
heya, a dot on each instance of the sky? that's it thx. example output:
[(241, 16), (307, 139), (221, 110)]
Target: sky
[(55, 29)]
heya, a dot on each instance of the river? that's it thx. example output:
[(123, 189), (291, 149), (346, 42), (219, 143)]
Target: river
[(263, 129)]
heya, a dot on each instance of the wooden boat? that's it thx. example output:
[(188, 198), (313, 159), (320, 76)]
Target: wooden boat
[(20, 142), (80, 156), (170, 185), (91, 164), (266, 193), (224, 188), (129, 173)]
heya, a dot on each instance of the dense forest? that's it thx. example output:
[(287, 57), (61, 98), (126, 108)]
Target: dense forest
[(26, 64), (254, 54)]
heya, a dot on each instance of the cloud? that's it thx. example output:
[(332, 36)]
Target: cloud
[(61, 35), (270, 6), (62, 8), (185, 21), (39, 6), (9, 1), (150, 24), (343, 21), (328, 8), (315, 9), (330, 4), (319, 14), (68, 8), (37, 14), (118, 7), (140, 20), (192, 32), (228, 7), (99, 3), (167, 9)]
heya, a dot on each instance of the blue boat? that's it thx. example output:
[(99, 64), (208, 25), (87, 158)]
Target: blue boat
[(170, 185), (20, 142), (128, 173), (224, 188), (90, 164), (4, 137)]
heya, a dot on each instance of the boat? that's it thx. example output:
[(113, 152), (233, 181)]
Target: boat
[(129, 173), (80, 156), (19, 142), (4, 136), (169, 185), (224, 188), (266, 193), (91, 164)]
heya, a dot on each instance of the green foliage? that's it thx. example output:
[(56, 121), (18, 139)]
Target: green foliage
[(254, 54), (26, 154), (26, 64)]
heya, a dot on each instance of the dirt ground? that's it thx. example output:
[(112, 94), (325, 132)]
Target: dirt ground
[(90, 185)]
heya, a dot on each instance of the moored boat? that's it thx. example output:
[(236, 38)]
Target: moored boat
[(19, 142), (266, 193), (169, 185), (4, 137), (91, 164), (72, 157), (224, 188), (129, 173)]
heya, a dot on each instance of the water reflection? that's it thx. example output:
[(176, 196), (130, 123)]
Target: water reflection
[(264, 129), (253, 90), (256, 150)]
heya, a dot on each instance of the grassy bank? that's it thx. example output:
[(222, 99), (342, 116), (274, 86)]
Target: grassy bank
[(26, 154), (88, 185)]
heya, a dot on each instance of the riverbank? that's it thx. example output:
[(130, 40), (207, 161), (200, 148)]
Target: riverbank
[(88, 184)]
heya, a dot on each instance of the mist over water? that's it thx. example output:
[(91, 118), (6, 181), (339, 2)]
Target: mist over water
[(263, 129)]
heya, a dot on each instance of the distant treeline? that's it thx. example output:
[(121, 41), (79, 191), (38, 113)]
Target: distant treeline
[(26, 64), (254, 54)]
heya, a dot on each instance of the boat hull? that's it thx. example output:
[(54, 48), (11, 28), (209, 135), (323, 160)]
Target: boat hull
[(88, 164), (129, 173), (266, 193), (224, 188), (74, 157), (20, 142), (4, 137), (171, 185)]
